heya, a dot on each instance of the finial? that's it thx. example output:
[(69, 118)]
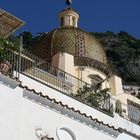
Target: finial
[(68, 2)]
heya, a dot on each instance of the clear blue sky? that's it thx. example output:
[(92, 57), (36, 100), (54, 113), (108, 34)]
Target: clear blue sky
[(95, 15)]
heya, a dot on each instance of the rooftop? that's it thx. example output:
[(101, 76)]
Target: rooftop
[(9, 23)]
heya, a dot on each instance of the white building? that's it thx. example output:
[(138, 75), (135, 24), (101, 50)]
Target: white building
[(63, 95)]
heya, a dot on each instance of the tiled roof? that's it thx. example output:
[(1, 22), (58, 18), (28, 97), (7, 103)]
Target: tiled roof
[(70, 40)]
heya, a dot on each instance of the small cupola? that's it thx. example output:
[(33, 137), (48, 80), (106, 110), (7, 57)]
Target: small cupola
[(68, 17)]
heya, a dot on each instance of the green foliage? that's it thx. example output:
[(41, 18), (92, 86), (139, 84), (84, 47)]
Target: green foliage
[(97, 98), (123, 52), (6, 44), (9, 43), (118, 107), (27, 40), (136, 44)]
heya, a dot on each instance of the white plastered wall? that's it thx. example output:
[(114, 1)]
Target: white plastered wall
[(65, 63), (124, 136), (116, 121), (20, 117), (84, 75), (38, 116), (10, 112), (115, 84)]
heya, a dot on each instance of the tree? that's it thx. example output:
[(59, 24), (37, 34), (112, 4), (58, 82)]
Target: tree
[(27, 40)]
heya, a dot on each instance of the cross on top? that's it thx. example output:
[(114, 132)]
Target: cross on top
[(69, 2)]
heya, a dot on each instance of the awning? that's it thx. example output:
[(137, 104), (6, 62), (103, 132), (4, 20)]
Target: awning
[(8, 23)]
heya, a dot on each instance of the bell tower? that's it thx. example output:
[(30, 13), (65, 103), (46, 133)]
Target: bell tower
[(68, 17)]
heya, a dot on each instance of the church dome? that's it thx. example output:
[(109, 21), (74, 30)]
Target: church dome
[(76, 42), (68, 38)]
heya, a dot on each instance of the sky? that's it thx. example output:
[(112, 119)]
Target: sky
[(95, 15)]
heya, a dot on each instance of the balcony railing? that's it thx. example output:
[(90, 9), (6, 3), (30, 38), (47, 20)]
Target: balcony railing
[(44, 72)]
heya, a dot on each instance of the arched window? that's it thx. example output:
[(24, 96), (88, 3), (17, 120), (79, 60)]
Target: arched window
[(95, 79), (64, 133), (73, 21)]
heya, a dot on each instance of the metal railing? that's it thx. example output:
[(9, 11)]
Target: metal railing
[(44, 72)]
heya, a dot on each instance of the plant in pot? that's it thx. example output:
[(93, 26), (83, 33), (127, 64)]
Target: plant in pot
[(7, 45)]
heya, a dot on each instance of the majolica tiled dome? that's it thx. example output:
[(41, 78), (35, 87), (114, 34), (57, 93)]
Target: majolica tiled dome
[(67, 38), (73, 41)]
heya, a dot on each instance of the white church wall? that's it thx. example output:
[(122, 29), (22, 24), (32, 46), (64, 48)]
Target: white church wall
[(10, 112), (49, 120), (124, 136), (20, 117), (115, 84), (124, 123), (64, 61), (115, 121), (84, 75)]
